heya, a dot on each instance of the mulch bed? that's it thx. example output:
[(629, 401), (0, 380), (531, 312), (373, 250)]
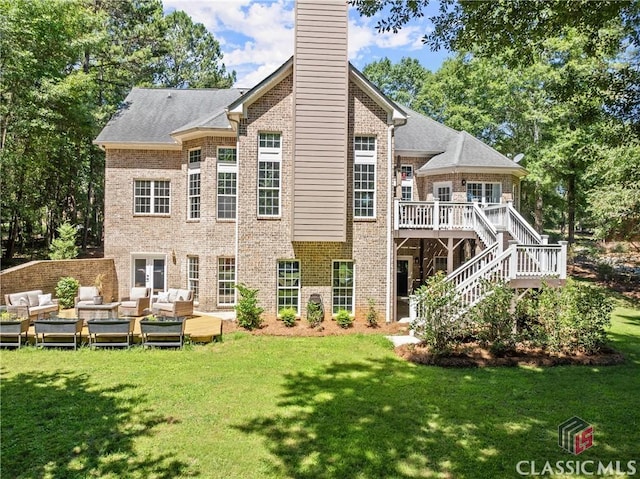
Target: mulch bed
[(472, 355), (327, 328)]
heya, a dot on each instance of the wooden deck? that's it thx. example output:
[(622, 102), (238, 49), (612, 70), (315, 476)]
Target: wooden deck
[(199, 329)]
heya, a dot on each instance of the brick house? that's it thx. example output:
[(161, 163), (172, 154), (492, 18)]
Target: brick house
[(312, 182)]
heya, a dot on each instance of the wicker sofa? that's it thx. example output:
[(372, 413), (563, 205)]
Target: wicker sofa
[(31, 304), (174, 302)]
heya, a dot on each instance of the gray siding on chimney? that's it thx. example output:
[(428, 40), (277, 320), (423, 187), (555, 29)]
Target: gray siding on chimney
[(321, 74)]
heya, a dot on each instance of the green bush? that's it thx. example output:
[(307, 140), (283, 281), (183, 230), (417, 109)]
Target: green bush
[(344, 319), (372, 314), (248, 313), (288, 316), (575, 317), (438, 314), (314, 313), (495, 319), (66, 291), (64, 246)]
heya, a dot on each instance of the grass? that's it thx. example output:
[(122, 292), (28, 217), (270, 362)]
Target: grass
[(274, 407)]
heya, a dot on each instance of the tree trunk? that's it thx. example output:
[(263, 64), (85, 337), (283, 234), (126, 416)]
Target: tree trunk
[(538, 218), (571, 208)]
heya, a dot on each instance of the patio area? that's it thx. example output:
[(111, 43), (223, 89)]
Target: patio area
[(200, 328)]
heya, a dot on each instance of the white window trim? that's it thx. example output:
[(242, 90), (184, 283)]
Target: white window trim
[(218, 281), (278, 288), (193, 279), (152, 197), (366, 157), (269, 154), (195, 164), (226, 167), (442, 184), (226, 163), (407, 183), (353, 287), (193, 172)]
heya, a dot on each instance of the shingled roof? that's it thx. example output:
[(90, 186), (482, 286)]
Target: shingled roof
[(152, 115), (422, 135), (467, 153)]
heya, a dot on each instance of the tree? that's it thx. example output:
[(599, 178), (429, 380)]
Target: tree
[(401, 82), (64, 246), (192, 58)]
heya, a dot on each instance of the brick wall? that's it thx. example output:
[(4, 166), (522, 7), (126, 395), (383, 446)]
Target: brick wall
[(262, 242), (45, 275)]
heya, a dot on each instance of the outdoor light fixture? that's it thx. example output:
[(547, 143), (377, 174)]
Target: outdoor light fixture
[(464, 182)]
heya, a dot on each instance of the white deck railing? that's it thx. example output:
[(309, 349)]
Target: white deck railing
[(507, 217)]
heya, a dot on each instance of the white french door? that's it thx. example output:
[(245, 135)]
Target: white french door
[(149, 271)]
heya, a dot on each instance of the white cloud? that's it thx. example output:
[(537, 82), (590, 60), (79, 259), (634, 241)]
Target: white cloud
[(256, 36)]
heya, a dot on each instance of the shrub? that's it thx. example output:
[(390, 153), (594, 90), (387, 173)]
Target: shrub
[(372, 314), (438, 314), (314, 313), (288, 316), (64, 246), (495, 319), (66, 291), (247, 310), (344, 319), (574, 317)]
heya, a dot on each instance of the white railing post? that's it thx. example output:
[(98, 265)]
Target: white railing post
[(513, 259), (545, 239), (396, 213), (500, 241), (436, 215), (563, 259)]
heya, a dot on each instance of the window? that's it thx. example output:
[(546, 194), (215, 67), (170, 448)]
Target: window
[(193, 276), (151, 197), (269, 163), (442, 191), (289, 285), (484, 192), (193, 184), (440, 264), (226, 281), (227, 183), (407, 182), (364, 177), (342, 286)]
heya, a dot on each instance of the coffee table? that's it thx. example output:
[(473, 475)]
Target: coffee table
[(97, 311)]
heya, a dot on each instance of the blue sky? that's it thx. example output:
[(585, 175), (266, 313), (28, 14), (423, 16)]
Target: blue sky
[(256, 36)]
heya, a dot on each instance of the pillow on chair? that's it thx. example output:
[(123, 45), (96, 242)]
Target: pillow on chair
[(44, 299)]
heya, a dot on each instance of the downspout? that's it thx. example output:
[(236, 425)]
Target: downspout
[(390, 196)]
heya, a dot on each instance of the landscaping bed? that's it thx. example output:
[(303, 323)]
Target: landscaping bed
[(473, 355)]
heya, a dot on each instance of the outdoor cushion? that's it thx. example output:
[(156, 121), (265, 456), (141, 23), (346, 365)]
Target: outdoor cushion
[(44, 299), (164, 306), (128, 304), (16, 297), (182, 294), (163, 297), (138, 292), (41, 309), (86, 293), (33, 297), (173, 294), (23, 302)]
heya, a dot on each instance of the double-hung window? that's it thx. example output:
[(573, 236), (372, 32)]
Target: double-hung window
[(227, 183), (193, 276), (289, 285), (151, 197), (407, 182), (193, 184), (226, 281), (342, 280), (364, 177), (269, 174), (484, 192)]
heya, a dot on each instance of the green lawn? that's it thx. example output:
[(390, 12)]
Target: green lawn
[(334, 407)]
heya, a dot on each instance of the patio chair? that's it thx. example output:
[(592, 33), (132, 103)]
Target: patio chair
[(136, 303)]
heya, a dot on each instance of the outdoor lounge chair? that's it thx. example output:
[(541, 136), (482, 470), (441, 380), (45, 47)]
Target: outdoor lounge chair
[(175, 302), (136, 303)]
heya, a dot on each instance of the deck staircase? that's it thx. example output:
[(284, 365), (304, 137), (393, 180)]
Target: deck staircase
[(527, 260)]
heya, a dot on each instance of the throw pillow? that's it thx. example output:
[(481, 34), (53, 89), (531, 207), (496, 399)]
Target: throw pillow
[(163, 297), (44, 299), (180, 298)]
